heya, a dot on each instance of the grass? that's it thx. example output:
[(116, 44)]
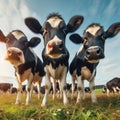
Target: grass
[(108, 108)]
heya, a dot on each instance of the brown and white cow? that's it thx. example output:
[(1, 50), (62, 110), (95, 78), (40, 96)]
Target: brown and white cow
[(27, 64), (83, 66), (55, 54)]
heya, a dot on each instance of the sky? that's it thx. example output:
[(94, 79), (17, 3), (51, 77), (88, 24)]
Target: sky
[(104, 12)]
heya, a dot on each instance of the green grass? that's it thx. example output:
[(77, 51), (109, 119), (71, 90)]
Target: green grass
[(108, 108)]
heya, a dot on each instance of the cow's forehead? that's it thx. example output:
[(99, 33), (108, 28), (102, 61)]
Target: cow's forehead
[(93, 29), (18, 34), (54, 21)]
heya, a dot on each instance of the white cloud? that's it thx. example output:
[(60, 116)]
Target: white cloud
[(111, 8), (12, 14), (107, 67), (94, 10), (114, 42)]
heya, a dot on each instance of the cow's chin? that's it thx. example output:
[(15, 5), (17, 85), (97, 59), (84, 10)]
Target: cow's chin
[(15, 62), (55, 56), (93, 61)]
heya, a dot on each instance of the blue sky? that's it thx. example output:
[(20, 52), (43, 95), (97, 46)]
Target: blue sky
[(105, 12)]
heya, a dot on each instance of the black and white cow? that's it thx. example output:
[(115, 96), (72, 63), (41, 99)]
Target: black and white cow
[(14, 90), (55, 54), (83, 66), (26, 63), (112, 86)]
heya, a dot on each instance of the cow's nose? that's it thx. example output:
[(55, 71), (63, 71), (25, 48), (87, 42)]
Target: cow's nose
[(12, 52), (94, 52)]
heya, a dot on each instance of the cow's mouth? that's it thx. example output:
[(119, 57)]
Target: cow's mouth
[(92, 60), (55, 55), (55, 52)]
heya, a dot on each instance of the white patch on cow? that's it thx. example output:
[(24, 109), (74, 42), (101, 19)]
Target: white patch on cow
[(28, 87), (91, 85), (55, 73), (25, 75), (18, 34), (93, 74), (93, 47), (114, 89), (93, 29), (80, 49), (86, 73), (54, 21), (60, 74)]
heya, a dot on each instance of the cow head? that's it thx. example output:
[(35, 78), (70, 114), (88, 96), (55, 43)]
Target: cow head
[(54, 31), (18, 46), (93, 41)]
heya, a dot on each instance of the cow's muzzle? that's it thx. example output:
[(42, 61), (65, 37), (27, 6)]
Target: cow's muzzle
[(55, 50), (15, 56), (94, 53)]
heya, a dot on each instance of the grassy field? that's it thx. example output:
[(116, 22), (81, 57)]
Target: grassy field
[(108, 108)]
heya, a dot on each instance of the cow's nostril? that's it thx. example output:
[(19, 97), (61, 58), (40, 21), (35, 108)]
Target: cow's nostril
[(19, 53), (87, 53), (49, 46), (98, 51), (61, 46)]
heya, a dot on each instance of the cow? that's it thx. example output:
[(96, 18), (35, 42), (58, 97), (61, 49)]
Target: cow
[(112, 86), (6, 87), (84, 64), (14, 90), (27, 64), (55, 54)]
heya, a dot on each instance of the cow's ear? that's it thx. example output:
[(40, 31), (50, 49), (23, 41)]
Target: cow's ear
[(76, 38), (112, 30), (33, 42), (33, 24), (2, 37), (74, 23)]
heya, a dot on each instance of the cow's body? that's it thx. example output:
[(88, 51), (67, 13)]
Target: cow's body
[(55, 54), (26, 63), (112, 86), (83, 66), (6, 87)]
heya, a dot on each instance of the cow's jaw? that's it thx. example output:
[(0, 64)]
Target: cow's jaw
[(92, 61)]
